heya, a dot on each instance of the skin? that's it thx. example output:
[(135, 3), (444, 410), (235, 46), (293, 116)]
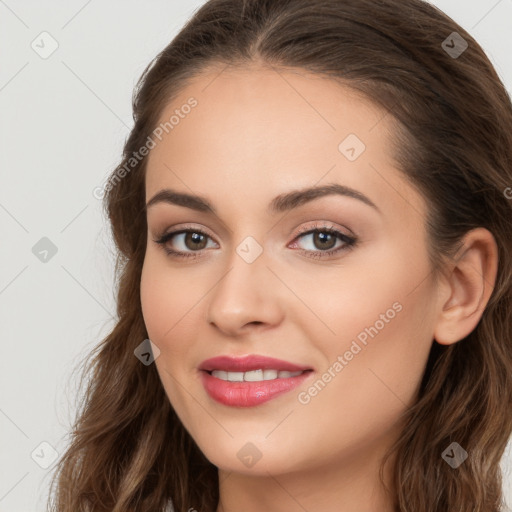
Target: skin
[(258, 132)]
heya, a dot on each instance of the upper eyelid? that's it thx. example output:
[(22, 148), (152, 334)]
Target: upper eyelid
[(349, 241), (303, 231), (185, 228)]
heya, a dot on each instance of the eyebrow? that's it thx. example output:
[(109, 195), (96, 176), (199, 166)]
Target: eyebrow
[(280, 203)]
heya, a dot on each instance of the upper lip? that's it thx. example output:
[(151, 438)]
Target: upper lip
[(248, 363)]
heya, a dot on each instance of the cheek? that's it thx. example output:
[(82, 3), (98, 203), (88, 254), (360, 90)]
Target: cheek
[(154, 300), (167, 309), (346, 301), (362, 397), (381, 325), (168, 298)]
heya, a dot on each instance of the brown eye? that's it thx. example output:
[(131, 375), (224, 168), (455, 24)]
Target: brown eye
[(194, 240), (324, 240), (320, 242), (190, 243), (184, 243)]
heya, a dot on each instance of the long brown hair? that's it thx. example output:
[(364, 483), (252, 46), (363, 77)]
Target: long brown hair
[(452, 141)]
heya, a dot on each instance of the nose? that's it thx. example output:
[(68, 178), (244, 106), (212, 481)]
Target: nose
[(248, 296)]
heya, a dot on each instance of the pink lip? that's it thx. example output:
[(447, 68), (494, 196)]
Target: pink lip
[(248, 394), (248, 363)]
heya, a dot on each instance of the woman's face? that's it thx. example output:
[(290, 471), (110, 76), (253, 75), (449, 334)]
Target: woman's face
[(254, 280)]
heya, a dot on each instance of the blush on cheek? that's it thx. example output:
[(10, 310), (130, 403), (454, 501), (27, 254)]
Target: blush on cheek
[(153, 311)]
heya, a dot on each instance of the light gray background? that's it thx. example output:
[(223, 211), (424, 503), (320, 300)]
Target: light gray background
[(63, 122)]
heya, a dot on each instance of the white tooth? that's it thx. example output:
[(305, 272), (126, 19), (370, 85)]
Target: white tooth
[(269, 374), (284, 374), (253, 375)]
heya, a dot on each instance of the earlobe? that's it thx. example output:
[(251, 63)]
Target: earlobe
[(468, 287)]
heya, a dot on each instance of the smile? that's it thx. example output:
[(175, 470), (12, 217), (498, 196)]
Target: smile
[(244, 392)]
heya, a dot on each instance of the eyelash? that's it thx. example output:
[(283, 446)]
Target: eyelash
[(349, 241)]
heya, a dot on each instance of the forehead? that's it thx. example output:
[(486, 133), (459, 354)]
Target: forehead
[(267, 130), (267, 110)]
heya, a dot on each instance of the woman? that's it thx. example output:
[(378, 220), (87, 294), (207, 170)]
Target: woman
[(313, 221)]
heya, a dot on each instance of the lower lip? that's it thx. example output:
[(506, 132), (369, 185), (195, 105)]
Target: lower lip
[(248, 394)]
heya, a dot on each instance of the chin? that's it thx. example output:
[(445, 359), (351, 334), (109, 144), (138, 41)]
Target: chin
[(250, 457)]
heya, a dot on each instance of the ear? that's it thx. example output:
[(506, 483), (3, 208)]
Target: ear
[(467, 287)]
